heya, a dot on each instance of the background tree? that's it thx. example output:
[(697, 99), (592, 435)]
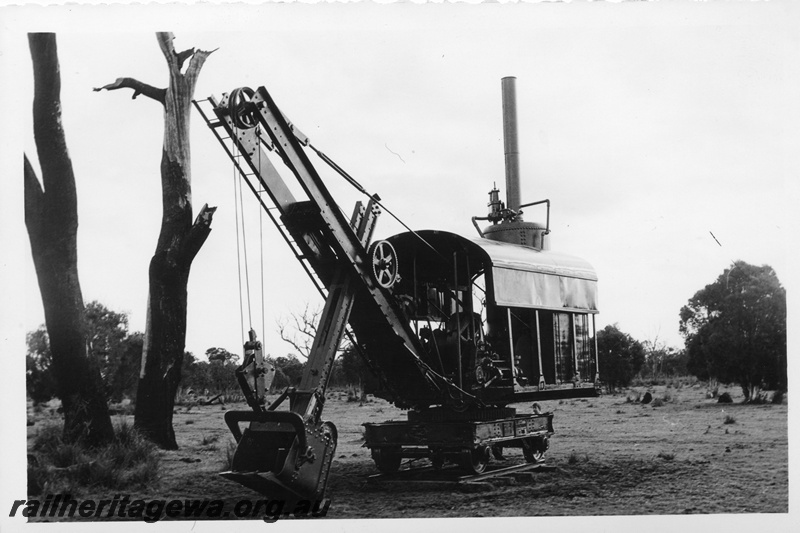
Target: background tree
[(40, 381), (178, 244), (195, 374), (735, 329), (621, 356), (222, 369), (356, 371), (674, 362), (105, 332), (125, 376), (116, 353), (288, 371), (662, 360), (299, 330), (51, 216)]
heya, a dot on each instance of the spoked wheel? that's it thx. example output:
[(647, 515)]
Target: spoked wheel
[(474, 461), (242, 108), (384, 263), (387, 459), (533, 448)]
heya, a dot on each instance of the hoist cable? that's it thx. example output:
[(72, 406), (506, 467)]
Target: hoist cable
[(238, 253), (246, 264), (261, 240), (427, 371), (374, 197)]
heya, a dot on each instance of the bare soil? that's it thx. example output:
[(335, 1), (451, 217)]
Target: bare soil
[(612, 456)]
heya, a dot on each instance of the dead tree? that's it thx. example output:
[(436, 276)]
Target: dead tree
[(178, 243), (305, 329), (51, 216)]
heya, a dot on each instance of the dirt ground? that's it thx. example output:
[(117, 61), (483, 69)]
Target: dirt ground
[(611, 457)]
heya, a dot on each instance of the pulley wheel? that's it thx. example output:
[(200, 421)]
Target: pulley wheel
[(242, 109), (383, 259)]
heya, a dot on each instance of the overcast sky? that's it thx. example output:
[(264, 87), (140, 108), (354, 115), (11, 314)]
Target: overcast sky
[(650, 127)]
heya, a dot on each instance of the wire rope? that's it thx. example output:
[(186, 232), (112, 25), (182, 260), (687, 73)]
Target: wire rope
[(261, 236), (339, 170), (238, 252)]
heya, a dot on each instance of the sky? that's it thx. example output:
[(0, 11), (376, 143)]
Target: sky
[(662, 135)]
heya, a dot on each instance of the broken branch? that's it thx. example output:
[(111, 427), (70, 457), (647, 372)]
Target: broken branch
[(138, 88), (199, 232)]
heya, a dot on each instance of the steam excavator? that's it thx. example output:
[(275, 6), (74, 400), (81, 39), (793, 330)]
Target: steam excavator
[(456, 329)]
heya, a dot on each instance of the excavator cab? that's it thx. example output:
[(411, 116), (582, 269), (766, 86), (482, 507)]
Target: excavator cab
[(479, 304)]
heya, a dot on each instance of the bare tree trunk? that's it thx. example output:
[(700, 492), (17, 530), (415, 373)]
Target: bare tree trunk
[(178, 243), (51, 216)]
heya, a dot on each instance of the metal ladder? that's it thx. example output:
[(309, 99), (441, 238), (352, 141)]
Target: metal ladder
[(223, 134)]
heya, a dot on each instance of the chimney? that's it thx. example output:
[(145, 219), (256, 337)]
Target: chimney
[(510, 142)]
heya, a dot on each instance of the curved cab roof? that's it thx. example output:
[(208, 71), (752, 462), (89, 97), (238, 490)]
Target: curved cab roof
[(518, 276)]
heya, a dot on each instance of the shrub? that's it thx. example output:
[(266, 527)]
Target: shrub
[(128, 461), (724, 398), (760, 398), (573, 458), (777, 398), (729, 420), (658, 402), (208, 440), (666, 456)]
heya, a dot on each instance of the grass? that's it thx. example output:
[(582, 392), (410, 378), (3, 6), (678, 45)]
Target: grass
[(56, 466), (227, 459), (207, 440), (573, 458)]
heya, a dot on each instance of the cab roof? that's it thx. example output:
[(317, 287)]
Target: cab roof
[(517, 276)]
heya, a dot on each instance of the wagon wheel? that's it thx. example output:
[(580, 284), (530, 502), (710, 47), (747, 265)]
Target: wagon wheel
[(475, 460), (387, 459), (533, 448), (384, 263)]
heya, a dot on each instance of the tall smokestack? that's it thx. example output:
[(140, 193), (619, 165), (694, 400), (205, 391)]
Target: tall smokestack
[(510, 142), (509, 226)]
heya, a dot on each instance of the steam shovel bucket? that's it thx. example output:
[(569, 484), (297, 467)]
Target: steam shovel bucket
[(279, 456)]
